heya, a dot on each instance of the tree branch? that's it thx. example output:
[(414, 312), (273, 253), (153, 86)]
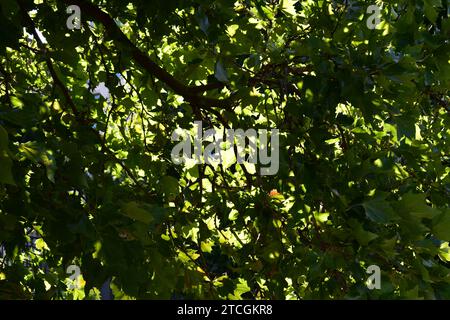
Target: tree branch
[(78, 116), (190, 94)]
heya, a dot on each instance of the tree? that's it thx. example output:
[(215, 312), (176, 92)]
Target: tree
[(87, 178)]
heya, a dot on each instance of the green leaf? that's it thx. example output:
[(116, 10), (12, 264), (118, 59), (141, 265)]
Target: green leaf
[(188, 256), (3, 139), (379, 210), (35, 152), (138, 211), (288, 6), (5, 170), (206, 246), (441, 227), (241, 288), (415, 205), (444, 252), (430, 9), (362, 236), (6, 163), (169, 185)]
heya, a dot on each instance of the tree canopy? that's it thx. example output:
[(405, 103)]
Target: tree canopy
[(86, 174)]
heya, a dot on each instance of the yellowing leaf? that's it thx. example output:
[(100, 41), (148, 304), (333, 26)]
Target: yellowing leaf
[(241, 288), (206, 246), (444, 252), (41, 245), (289, 6), (185, 258)]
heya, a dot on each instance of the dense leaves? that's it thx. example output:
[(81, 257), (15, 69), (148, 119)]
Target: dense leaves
[(86, 176)]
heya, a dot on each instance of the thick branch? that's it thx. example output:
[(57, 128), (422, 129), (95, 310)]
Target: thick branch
[(191, 94)]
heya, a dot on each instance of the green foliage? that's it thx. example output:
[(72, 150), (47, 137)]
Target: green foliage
[(364, 126)]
